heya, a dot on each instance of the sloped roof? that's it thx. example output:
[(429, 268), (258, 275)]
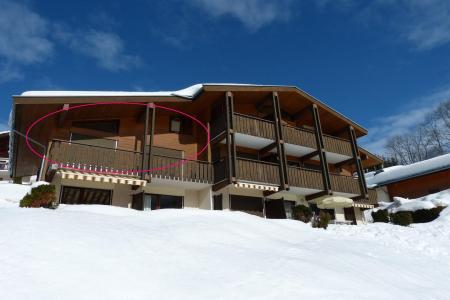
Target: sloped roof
[(399, 173)]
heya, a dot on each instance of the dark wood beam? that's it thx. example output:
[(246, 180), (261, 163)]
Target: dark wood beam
[(358, 163), (230, 139), (317, 195), (62, 115), (267, 148), (308, 156), (144, 140), (321, 148), (344, 163), (219, 185), (219, 138), (152, 136), (284, 181)]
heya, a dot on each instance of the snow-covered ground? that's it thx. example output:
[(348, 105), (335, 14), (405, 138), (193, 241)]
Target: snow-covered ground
[(102, 252)]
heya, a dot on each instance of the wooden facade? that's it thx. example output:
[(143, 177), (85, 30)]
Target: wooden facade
[(276, 136)]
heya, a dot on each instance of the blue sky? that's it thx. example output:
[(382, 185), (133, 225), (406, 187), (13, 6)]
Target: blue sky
[(383, 63)]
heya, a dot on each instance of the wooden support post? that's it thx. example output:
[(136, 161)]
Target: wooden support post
[(321, 149), (358, 164), (284, 183), (152, 136), (231, 145), (62, 115), (144, 141)]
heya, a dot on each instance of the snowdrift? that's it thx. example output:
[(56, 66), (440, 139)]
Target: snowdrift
[(103, 252)]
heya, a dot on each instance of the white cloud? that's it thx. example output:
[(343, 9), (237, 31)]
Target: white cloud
[(254, 14), (27, 38), (107, 48), (403, 121), (23, 39)]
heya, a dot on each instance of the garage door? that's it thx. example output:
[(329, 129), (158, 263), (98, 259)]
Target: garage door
[(76, 195)]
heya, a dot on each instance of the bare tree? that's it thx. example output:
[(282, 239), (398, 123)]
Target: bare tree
[(429, 139)]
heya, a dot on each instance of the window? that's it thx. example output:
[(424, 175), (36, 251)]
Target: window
[(175, 125), (93, 141), (75, 195), (156, 201), (180, 125), (217, 202), (110, 126)]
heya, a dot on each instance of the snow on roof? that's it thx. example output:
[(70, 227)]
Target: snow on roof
[(4, 132), (189, 92), (397, 173)]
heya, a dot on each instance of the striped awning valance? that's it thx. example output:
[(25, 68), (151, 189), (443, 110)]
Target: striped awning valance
[(86, 176), (256, 186), (361, 205)]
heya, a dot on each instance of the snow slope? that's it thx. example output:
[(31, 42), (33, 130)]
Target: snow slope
[(102, 252)]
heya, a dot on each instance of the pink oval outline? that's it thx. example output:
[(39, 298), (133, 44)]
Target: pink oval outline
[(125, 172)]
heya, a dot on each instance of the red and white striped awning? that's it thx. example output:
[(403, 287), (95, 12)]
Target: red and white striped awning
[(87, 176), (361, 205), (261, 187)]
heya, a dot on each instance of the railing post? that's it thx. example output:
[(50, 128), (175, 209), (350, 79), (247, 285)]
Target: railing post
[(152, 136), (320, 147), (358, 164)]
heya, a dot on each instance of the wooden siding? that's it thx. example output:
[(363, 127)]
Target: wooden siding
[(305, 178), (299, 136), (254, 126), (373, 198), (257, 171), (344, 184)]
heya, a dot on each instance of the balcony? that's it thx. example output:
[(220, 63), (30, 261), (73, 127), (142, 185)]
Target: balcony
[(299, 141), (305, 178), (344, 184), (257, 171), (101, 159)]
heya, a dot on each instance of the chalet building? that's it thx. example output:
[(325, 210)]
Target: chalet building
[(4, 155), (411, 181), (271, 147)]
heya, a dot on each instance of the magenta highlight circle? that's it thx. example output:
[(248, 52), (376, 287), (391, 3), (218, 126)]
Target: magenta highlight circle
[(65, 166)]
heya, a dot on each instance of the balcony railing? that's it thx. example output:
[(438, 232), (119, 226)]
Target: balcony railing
[(305, 178), (299, 136), (344, 184), (337, 145), (95, 158), (257, 171), (254, 126), (186, 170), (102, 159)]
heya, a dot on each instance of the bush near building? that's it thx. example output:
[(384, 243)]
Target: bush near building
[(403, 218), (41, 196), (380, 215), (426, 215), (321, 220), (302, 213)]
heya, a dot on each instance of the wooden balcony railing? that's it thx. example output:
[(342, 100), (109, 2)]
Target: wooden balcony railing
[(95, 158), (337, 145), (299, 136), (191, 170), (102, 159), (254, 126), (257, 171), (344, 184), (306, 178), (373, 198)]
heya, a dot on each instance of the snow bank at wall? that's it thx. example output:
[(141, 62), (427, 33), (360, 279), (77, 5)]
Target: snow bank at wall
[(374, 179)]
